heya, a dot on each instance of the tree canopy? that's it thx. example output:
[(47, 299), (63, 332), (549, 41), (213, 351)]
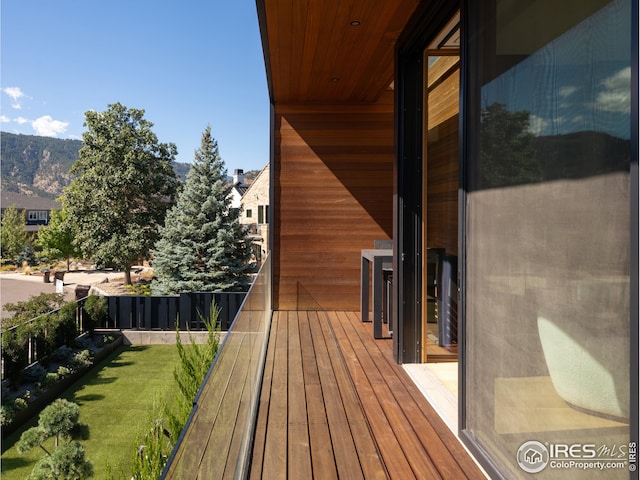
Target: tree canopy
[(507, 155), (202, 244), (13, 234), (125, 184), (56, 239)]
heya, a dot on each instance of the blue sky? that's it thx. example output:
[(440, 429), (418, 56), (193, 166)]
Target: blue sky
[(187, 64)]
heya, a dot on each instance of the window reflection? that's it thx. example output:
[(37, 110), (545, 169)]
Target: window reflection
[(547, 272)]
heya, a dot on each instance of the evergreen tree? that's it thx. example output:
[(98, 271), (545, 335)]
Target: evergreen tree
[(124, 187), (202, 245), (67, 461)]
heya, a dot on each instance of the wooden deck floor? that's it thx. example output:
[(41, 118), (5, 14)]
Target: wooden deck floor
[(335, 405)]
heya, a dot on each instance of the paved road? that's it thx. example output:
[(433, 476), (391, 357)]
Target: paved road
[(12, 291), (16, 287)]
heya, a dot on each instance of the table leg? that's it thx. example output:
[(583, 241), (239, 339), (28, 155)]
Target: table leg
[(377, 297), (364, 290)]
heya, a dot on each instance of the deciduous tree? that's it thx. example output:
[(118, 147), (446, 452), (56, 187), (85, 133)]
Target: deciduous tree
[(56, 239), (125, 183), (202, 245), (13, 234)]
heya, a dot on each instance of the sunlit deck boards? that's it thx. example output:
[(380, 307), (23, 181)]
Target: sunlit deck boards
[(335, 405)]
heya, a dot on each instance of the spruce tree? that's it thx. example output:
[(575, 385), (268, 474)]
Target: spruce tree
[(202, 245)]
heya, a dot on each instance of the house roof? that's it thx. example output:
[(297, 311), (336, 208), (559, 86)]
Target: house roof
[(241, 188), (336, 51), (28, 202), (256, 181)]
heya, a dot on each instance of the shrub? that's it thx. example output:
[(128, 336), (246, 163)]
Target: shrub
[(34, 373), (143, 289), (7, 413), (67, 329), (4, 395), (59, 421), (49, 380), (64, 371), (83, 343), (96, 311), (62, 354), (27, 257), (14, 355), (83, 359)]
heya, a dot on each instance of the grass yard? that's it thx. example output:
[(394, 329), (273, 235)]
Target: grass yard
[(116, 400)]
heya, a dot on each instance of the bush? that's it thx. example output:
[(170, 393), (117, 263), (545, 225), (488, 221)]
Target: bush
[(64, 371), (34, 373), (142, 289), (96, 309), (7, 413), (59, 421), (62, 354), (67, 329), (27, 257), (83, 359), (49, 380)]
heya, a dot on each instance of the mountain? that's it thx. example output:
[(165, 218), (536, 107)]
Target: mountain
[(39, 166), (35, 165)]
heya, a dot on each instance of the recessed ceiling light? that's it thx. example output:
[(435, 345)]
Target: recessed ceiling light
[(354, 23)]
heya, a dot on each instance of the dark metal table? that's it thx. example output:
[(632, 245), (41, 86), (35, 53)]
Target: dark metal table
[(379, 257)]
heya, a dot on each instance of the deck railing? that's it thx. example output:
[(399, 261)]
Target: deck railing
[(216, 442)]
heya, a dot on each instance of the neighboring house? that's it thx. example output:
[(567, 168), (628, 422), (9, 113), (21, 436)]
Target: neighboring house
[(238, 188), (255, 212), (37, 210)]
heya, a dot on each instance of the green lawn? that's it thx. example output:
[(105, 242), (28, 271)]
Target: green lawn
[(116, 400)]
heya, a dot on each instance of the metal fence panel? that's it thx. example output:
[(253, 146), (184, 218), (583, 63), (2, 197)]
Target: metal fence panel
[(162, 312)]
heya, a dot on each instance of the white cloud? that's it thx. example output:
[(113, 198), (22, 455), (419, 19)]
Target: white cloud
[(49, 127), (16, 94), (616, 96), (4, 119), (537, 125), (564, 92), (22, 120)]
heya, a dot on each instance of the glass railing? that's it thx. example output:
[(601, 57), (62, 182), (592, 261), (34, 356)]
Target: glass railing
[(216, 442)]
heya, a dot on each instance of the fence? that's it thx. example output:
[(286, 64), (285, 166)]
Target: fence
[(32, 341), (162, 312), (37, 338)]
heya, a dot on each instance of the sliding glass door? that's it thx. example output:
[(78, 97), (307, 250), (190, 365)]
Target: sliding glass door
[(547, 273), (440, 184)]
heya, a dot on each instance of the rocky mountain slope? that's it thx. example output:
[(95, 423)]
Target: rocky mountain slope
[(39, 166)]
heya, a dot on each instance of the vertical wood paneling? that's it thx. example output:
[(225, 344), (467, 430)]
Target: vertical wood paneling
[(442, 155), (333, 189)]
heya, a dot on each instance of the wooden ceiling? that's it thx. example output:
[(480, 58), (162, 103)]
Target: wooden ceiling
[(330, 51)]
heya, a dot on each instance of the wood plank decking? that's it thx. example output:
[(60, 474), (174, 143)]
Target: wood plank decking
[(335, 405)]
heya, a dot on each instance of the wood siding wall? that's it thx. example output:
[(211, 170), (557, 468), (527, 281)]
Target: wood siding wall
[(442, 155), (333, 194)]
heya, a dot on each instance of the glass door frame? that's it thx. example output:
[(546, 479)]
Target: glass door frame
[(408, 201)]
